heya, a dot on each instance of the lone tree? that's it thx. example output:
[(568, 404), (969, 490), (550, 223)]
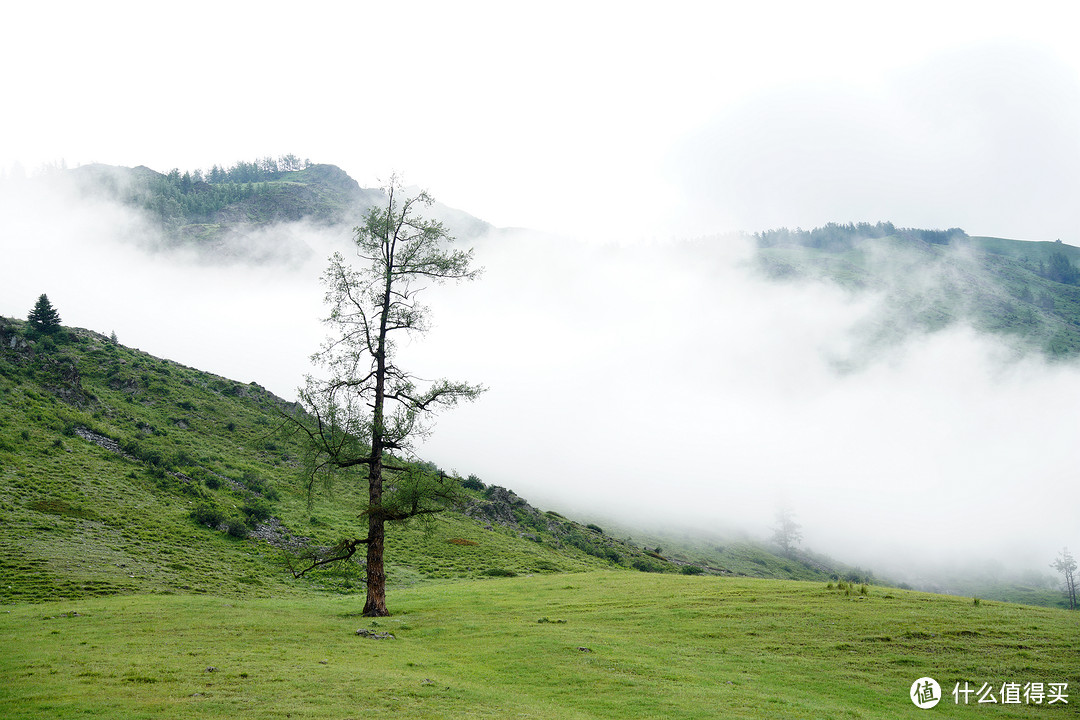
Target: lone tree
[(367, 410), (787, 532), (1066, 565), (44, 317)]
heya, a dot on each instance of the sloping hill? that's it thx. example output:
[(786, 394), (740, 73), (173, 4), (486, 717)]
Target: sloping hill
[(1027, 292), (121, 472), (213, 212)]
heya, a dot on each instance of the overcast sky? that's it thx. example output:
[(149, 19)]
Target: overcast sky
[(586, 118), (679, 383)]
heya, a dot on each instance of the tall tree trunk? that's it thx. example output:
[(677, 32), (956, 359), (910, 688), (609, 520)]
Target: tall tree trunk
[(375, 605)]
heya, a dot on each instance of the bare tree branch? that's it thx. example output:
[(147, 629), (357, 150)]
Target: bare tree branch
[(342, 551)]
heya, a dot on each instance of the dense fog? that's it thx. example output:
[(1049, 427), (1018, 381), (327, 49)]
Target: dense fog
[(661, 385)]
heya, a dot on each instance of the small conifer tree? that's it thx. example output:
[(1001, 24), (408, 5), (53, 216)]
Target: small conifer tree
[(44, 318)]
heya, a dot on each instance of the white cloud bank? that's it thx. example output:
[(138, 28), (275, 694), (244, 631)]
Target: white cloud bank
[(666, 384)]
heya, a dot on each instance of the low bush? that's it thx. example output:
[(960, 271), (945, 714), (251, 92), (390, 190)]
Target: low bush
[(473, 483), (255, 509), (237, 528), (208, 515), (260, 486)]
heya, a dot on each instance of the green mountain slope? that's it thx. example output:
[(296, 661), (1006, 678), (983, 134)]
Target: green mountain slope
[(1025, 292), (213, 211), (125, 473)]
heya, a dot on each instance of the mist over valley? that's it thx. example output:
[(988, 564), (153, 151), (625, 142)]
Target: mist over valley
[(903, 393)]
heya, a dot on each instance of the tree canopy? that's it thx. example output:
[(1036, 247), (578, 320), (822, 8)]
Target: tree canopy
[(43, 317), (839, 237)]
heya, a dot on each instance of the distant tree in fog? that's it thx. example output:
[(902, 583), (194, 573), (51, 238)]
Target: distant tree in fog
[(1066, 565), (787, 533)]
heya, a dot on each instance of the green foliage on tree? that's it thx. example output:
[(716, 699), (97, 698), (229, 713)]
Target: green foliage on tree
[(838, 237), (177, 198), (366, 410), (1059, 269), (43, 317)]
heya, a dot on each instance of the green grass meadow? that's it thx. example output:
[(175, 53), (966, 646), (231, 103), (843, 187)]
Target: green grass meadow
[(117, 602), (602, 644)]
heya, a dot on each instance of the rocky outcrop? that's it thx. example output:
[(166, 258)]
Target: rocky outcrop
[(273, 532), (504, 507), (102, 441), (63, 380)]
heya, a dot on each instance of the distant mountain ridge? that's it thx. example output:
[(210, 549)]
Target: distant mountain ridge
[(208, 210), (1027, 293)]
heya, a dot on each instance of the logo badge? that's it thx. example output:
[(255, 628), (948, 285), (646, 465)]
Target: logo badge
[(925, 693)]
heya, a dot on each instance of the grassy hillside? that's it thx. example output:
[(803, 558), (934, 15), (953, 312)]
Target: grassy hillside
[(125, 473), (1026, 292), (215, 212), (742, 556), (588, 645)]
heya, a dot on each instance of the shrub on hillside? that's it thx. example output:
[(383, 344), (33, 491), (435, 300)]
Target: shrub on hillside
[(208, 515), (647, 566), (255, 510), (260, 486), (472, 483), (237, 528)]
